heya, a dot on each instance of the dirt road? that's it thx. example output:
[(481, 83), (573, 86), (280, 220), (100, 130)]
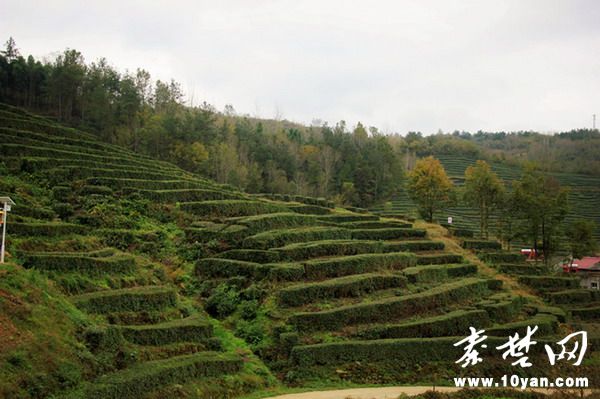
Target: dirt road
[(363, 393), (380, 393)]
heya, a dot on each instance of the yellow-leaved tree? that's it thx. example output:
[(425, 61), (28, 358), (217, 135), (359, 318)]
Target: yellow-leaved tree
[(430, 187)]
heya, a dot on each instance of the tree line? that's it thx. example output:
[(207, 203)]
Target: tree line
[(532, 209), (356, 166)]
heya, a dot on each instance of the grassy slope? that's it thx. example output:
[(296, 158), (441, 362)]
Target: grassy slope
[(235, 253)]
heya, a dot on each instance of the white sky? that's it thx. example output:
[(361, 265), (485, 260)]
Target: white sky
[(399, 65)]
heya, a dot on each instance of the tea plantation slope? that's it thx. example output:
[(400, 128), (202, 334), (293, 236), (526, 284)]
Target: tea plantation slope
[(307, 291), (105, 226)]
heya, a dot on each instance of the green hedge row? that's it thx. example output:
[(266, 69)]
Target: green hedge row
[(575, 296), (223, 232), (230, 208), (404, 351), (90, 189), (461, 232), (322, 202), (357, 264), (31, 123), (141, 379), (455, 323), (502, 309), (391, 308), (278, 238), (186, 195), (80, 263), (439, 259), (191, 329), (547, 325), (550, 282), (309, 209), (49, 229), (125, 238), (481, 244), (521, 269), (13, 136), (37, 164), (271, 221), (20, 150), (502, 257), (218, 267), (343, 218), (146, 184), (33, 212), (437, 273), (315, 249), (376, 224), (127, 299), (251, 255), (387, 234), (136, 172), (591, 313), (349, 286)]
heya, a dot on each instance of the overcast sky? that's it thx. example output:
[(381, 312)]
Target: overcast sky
[(398, 65)]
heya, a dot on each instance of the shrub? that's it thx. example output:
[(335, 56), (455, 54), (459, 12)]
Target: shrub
[(230, 208), (480, 244), (357, 264), (191, 329), (277, 238), (317, 249), (550, 282), (547, 325), (309, 209), (502, 309), (186, 195), (45, 229), (402, 351), (439, 259), (218, 267), (369, 224), (571, 296), (455, 323), (223, 301), (350, 286), (502, 257), (145, 184), (140, 379), (418, 274), (82, 263), (127, 299), (251, 255), (391, 308), (222, 232), (521, 269), (272, 221), (343, 218), (98, 190), (387, 234), (591, 313)]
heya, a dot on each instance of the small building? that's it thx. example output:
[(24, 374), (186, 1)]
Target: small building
[(588, 269)]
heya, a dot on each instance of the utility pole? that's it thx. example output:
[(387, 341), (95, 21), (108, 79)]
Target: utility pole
[(594, 122)]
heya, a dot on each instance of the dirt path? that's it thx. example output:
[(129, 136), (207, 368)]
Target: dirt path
[(386, 393), (364, 393)]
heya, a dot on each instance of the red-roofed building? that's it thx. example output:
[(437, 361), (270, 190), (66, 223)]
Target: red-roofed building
[(588, 269)]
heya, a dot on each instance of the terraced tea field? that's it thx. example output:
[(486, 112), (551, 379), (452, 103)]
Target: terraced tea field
[(584, 197), (187, 288)]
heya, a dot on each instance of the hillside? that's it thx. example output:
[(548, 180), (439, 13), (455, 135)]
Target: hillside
[(584, 195), (143, 280)]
